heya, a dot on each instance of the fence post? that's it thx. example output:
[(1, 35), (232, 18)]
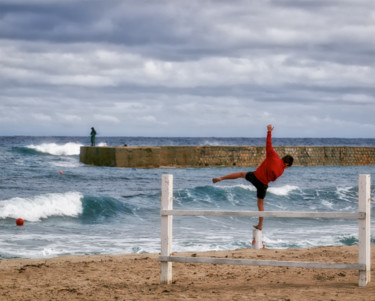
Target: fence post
[(166, 227), (364, 246), (257, 239)]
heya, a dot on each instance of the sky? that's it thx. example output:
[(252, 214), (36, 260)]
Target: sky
[(187, 68)]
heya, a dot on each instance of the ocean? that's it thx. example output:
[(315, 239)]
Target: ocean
[(72, 208)]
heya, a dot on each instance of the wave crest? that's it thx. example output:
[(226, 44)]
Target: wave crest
[(42, 206), (283, 190), (67, 149)]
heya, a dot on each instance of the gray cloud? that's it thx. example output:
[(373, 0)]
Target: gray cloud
[(187, 68)]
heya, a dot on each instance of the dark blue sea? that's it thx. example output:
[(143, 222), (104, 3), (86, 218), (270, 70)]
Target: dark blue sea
[(107, 210)]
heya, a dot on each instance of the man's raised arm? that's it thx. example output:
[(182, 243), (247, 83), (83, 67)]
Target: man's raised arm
[(269, 149)]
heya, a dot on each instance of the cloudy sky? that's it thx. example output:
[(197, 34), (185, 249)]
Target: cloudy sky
[(188, 67)]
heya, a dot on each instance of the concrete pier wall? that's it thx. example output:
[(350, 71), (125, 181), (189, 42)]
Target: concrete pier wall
[(221, 156)]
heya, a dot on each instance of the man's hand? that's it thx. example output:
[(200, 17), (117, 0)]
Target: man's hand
[(270, 127)]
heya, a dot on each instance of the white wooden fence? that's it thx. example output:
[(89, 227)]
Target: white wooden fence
[(363, 216)]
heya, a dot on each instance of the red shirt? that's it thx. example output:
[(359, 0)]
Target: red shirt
[(272, 167)]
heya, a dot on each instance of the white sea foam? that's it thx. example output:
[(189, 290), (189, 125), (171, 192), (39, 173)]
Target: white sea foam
[(211, 143), (343, 193), (42, 206), (67, 149), (327, 204), (243, 186), (68, 162), (283, 190), (49, 252)]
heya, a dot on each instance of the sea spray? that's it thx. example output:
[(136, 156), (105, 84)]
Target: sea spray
[(67, 149)]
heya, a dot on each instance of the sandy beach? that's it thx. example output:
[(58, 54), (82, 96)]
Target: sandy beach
[(136, 277)]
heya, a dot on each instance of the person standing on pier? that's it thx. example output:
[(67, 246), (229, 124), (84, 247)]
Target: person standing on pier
[(93, 134), (268, 171)]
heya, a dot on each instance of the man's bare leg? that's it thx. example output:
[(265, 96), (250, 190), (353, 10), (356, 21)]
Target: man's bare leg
[(231, 176), (260, 204)]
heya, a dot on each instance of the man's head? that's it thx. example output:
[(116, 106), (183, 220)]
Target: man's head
[(288, 160)]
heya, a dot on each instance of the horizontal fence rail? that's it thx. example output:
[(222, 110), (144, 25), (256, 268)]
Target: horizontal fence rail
[(364, 227), (344, 215)]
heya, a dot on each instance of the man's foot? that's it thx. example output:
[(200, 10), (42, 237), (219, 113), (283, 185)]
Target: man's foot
[(215, 180), (258, 227)]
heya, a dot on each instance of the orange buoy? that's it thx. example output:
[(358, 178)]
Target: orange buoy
[(61, 172), (19, 222)]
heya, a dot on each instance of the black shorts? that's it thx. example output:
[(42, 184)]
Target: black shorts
[(261, 188)]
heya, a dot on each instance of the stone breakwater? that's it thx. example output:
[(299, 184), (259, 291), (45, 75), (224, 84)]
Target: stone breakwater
[(221, 156)]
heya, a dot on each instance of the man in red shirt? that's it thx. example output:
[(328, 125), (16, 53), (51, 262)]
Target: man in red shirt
[(268, 171)]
